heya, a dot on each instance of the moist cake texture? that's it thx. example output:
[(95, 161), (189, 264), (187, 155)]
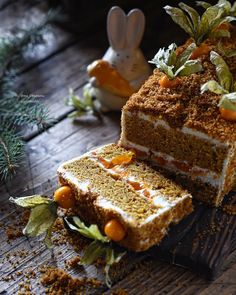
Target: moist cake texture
[(182, 131), (109, 183)]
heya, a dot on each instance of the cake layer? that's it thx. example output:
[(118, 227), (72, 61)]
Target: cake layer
[(182, 144), (109, 183), (206, 185), (181, 129)]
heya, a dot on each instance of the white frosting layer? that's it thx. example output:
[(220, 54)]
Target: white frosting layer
[(185, 130), (207, 176), (106, 204), (161, 202)]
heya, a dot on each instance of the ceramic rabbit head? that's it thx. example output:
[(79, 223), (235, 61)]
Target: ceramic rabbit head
[(125, 33)]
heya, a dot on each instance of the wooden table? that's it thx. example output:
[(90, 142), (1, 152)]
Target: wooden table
[(50, 71)]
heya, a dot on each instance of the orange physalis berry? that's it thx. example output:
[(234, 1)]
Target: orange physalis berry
[(64, 197), (167, 83), (125, 158), (114, 230), (200, 50), (228, 114)]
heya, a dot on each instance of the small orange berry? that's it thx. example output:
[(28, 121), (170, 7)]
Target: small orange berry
[(167, 83), (64, 197), (228, 114), (114, 230), (202, 49)]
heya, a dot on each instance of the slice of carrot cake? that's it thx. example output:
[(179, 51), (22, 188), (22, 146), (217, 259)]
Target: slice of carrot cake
[(110, 184), (182, 130)]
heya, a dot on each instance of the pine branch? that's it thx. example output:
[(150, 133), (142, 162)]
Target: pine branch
[(18, 110), (12, 48), (22, 110), (11, 151)]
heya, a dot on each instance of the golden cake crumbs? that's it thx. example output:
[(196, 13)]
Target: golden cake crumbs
[(185, 105), (59, 282), (73, 262)]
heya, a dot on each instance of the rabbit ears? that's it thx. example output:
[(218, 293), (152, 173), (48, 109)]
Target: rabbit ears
[(125, 31)]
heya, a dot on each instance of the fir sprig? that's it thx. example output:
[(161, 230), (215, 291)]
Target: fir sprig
[(11, 150), (17, 109)]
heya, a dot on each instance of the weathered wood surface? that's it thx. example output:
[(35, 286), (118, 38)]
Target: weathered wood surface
[(61, 65)]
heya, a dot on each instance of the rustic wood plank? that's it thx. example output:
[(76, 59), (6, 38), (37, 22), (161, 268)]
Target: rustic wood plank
[(23, 14), (63, 141), (53, 77), (150, 273)]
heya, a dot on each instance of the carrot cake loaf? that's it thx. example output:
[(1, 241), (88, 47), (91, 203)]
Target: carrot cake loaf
[(181, 128), (110, 184)]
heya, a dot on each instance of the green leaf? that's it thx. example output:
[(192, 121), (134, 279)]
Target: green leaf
[(209, 21), (172, 65), (213, 86), (228, 101), (97, 250), (179, 17), (112, 257), (223, 73), (31, 201), (190, 67), (224, 51), (94, 251), (83, 105), (201, 27), (219, 34), (91, 232), (48, 238), (193, 14), (42, 218), (185, 55), (203, 4)]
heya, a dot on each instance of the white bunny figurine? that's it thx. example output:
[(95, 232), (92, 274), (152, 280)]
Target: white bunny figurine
[(129, 66)]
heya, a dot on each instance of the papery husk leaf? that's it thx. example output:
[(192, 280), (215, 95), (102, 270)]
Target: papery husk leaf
[(224, 51), (193, 14), (219, 34), (228, 101), (42, 218), (31, 201), (91, 232), (213, 86), (190, 67), (203, 4), (209, 20), (92, 252), (179, 17), (185, 55), (223, 73)]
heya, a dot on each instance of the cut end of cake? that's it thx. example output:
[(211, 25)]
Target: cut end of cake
[(110, 183), (181, 130)]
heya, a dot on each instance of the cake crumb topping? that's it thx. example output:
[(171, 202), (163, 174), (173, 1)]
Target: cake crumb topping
[(184, 105)]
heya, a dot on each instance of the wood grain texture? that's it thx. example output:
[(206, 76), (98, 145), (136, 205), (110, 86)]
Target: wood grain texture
[(22, 14), (50, 72)]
